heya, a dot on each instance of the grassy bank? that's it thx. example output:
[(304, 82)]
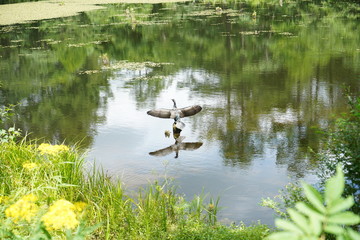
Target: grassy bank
[(45, 193)]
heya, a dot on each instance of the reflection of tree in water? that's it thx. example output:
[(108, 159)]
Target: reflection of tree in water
[(63, 112), (253, 66), (255, 76), (55, 103), (147, 86), (248, 125), (239, 148)]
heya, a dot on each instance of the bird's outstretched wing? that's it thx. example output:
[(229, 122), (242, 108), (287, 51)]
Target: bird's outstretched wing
[(190, 146), (162, 152), (160, 113), (171, 113), (189, 111)]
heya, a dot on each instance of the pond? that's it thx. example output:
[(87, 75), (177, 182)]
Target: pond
[(267, 84)]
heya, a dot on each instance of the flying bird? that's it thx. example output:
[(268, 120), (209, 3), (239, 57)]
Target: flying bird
[(175, 113)]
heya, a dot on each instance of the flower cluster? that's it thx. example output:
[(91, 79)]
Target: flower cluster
[(4, 199), (62, 215), (24, 209), (46, 148), (29, 165), (79, 206)]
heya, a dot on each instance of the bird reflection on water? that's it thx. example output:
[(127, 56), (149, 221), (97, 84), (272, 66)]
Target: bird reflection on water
[(177, 146), (176, 114)]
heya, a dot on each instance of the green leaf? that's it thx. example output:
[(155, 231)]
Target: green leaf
[(282, 236), (6, 234), (346, 218), (40, 232), (309, 210), (299, 219), (287, 225), (334, 187), (340, 205), (353, 235), (314, 197), (334, 229), (310, 238), (315, 225)]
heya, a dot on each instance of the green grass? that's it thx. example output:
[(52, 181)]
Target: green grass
[(156, 212)]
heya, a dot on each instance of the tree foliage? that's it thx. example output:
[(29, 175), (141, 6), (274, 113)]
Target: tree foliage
[(344, 148)]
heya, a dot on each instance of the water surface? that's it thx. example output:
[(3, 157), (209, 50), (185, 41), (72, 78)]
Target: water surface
[(266, 85)]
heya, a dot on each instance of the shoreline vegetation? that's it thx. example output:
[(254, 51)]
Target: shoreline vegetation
[(50, 196)]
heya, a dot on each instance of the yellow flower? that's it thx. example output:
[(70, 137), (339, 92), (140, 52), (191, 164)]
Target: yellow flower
[(46, 148), (29, 166), (4, 199), (61, 215), (24, 209), (30, 198), (79, 206)]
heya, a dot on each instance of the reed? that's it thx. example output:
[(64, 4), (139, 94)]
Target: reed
[(46, 174)]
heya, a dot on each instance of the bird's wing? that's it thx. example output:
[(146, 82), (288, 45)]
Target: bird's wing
[(160, 113), (162, 152), (190, 145), (189, 111)]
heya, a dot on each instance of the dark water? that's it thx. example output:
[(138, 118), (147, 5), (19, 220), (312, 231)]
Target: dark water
[(266, 85)]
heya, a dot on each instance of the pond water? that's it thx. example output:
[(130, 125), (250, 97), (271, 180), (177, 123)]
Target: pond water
[(266, 84)]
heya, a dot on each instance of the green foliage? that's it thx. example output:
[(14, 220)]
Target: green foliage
[(324, 214), (196, 231), (11, 134), (344, 148), (5, 112), (287, 198)]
